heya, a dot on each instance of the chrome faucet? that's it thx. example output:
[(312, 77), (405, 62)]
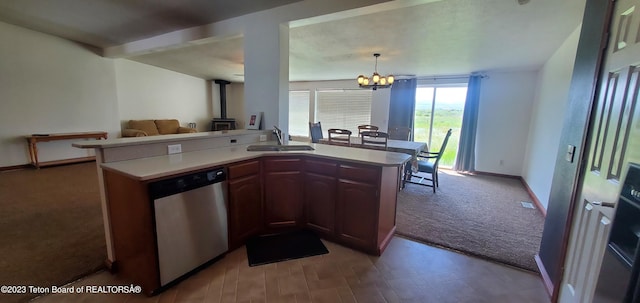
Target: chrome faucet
[(278, 133)]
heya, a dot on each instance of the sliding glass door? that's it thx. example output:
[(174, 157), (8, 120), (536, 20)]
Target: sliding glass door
[(439, 108)]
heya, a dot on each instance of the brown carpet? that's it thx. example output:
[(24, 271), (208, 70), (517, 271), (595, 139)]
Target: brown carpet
[(50, 225), (475, 214)]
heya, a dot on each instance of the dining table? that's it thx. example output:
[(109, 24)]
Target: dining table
[(406, 147)]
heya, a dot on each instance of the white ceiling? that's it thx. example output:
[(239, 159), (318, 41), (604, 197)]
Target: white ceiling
[(104, 23), (446, 37)]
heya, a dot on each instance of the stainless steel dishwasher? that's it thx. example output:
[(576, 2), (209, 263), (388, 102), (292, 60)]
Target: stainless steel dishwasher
[(191, 221)]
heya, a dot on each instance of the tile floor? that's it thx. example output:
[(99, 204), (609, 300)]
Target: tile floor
[(407, 272)]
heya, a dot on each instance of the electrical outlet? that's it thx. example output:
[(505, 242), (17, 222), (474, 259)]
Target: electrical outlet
[(174, 149), (263, 138)]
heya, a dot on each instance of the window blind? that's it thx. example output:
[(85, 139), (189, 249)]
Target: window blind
[(344, 109), (299, 113)]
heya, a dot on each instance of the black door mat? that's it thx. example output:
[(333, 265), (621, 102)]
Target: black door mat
[(284, 246)]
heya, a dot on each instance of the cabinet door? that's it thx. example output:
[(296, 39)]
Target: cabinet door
[(320, 203), (245, 209), (357, 213), (284, 194)]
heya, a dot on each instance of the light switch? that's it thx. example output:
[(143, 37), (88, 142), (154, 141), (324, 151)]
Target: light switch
[(571, 150)]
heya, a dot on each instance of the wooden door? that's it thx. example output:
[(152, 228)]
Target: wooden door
[(614, 141), (320, 203), (283, 191), (357, 213), (245, 209)]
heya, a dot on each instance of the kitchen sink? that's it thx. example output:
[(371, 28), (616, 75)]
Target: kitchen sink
[(278, 147), (295, 147)]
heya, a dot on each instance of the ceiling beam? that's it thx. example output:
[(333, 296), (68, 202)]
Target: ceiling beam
[(296, 14)]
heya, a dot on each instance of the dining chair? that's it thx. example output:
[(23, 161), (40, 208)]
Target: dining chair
[(366, 127), (339, 136), (428, 164), (374, 140), (399, 133), (315, 129)]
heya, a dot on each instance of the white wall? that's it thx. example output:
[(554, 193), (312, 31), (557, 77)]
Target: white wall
[(149, 92), (380, 103), (546, 121), (50, 85), (503, 121), (235, 104)]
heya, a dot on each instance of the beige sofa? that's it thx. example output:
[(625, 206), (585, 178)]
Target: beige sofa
[(142, 128)]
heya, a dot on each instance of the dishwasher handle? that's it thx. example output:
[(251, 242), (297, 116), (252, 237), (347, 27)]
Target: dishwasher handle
[(215, 176), (179, 184)]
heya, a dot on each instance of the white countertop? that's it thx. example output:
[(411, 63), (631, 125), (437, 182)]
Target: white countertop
[(117, 142), (156, 167)]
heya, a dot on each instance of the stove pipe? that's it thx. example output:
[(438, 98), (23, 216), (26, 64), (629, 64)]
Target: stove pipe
[(223, 97), (223, 123)]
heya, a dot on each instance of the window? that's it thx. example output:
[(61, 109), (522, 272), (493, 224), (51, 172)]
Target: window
[(439, 108), (344, 109), (299, 113)]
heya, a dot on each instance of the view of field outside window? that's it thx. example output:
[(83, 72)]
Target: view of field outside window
[(433, 119)]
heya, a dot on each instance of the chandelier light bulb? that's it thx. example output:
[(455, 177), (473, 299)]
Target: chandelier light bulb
[(383, 81), (376, 78), (365, 81), (360, 79), (390, 79)]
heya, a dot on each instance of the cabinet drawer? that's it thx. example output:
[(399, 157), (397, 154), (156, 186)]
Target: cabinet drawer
[(366, 174), (321, 167), (244, 169), (283, 164)]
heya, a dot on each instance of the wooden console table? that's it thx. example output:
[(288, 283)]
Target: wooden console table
[(35, 138)]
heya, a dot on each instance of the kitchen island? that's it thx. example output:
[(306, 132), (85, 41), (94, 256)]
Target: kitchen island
[(346, 195)]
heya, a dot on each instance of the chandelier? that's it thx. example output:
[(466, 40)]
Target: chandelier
[(376, 81)]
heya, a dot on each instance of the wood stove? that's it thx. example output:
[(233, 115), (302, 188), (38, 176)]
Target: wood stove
[(223, 123)]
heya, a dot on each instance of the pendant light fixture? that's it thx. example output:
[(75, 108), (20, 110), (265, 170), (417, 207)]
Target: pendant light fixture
[(376, 81)]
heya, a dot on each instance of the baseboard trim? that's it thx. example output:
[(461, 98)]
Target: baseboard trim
[(50, 163), (534, 198), (14, 167), (112, 266), (545, 276), (495, 174), (67, 161)]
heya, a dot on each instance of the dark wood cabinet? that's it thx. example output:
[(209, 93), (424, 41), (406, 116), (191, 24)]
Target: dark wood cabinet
[(133, 230), (284, 192), (366, 206), (245, 202), (357, 213), (320, 189), (350, 203), (358, 205)]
